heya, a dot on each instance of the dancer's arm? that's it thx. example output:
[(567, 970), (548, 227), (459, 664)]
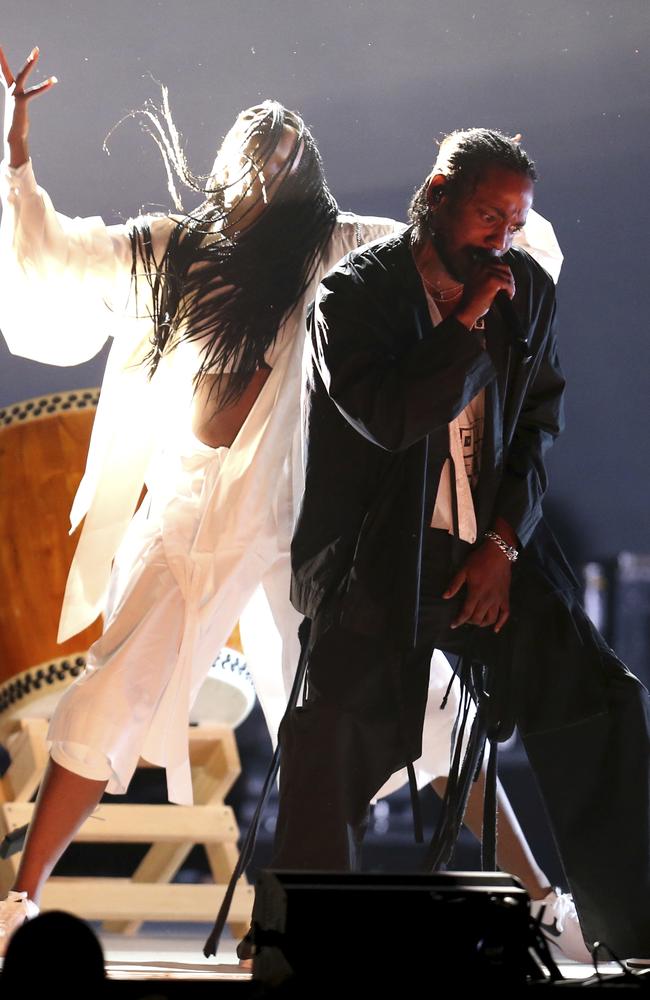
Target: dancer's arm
[(17, 98), (66, 282)]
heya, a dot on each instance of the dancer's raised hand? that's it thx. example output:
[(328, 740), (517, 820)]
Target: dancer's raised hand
[(17, 98)]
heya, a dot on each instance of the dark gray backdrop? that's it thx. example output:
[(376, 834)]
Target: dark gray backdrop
[(377, 81)]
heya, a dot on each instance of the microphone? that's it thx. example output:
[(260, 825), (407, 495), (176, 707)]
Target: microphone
[(512, 323)]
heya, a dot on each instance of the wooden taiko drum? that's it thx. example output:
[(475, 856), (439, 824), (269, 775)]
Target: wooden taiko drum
[(43, 447)]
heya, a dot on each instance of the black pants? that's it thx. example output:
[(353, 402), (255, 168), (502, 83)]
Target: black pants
[(363, 720)]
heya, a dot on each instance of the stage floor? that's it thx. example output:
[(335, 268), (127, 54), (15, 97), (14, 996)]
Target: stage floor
[(171, 951), (175, 952)]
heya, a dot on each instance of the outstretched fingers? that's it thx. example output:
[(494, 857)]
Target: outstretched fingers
[(40, 88), (17, 82), (24, 72)]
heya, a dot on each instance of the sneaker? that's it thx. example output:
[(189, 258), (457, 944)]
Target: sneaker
[(560, 925), (14, 911)]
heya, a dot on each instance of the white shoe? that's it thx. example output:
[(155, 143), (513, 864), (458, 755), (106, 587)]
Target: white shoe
[(14, 911), (560, 925)]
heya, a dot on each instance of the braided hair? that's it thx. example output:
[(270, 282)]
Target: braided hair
[(463, 157)]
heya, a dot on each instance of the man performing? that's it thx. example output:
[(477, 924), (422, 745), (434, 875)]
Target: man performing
[(201, 401), (433, 390)]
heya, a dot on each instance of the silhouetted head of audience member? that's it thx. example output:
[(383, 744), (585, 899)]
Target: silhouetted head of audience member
[(55, 947)]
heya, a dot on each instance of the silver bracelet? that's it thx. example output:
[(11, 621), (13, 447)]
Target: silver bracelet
[(508, 550)]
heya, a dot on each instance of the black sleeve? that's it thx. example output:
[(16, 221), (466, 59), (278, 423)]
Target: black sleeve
[(392, 394), (524, 480)]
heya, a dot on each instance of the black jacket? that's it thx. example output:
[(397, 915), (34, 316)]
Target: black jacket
[(382, 385)]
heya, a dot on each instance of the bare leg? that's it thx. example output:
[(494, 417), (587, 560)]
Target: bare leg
[(64, 802), (513, 851)]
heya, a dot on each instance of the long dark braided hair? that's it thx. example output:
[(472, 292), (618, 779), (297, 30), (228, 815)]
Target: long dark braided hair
[(229, 287)]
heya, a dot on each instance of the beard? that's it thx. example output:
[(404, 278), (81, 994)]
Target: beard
[(457, 264)]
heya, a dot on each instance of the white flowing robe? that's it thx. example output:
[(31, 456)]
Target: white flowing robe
[(66, 288)]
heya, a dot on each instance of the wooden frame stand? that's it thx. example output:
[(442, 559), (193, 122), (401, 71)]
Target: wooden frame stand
[(171, 830)]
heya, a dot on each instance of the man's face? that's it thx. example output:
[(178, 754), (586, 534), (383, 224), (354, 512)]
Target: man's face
[(480, 223)]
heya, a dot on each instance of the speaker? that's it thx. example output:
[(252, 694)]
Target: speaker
[(317, 930)]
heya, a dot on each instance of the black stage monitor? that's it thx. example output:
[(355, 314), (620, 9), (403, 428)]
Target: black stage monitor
[(319, 929)]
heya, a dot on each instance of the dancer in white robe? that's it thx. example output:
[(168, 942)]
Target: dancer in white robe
[(215, 527)]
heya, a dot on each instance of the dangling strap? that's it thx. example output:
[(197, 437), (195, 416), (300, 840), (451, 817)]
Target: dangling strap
[(461, 776), (454, 675), (246, 853), (489, 836), (486, 684), (211, 945), (416, 809), (496, 693)]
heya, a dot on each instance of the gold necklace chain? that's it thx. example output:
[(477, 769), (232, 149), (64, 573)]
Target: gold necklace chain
[(444, 294)]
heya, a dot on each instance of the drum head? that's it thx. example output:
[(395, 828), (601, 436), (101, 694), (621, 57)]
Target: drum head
[(227, 695)]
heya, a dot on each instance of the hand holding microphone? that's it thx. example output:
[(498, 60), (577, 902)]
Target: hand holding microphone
[(491, 282), (486, 280)]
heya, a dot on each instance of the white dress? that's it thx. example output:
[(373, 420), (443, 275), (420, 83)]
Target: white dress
[(210, 545)]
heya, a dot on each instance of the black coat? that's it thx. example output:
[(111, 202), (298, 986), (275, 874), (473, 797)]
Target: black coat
[(382, 387)]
